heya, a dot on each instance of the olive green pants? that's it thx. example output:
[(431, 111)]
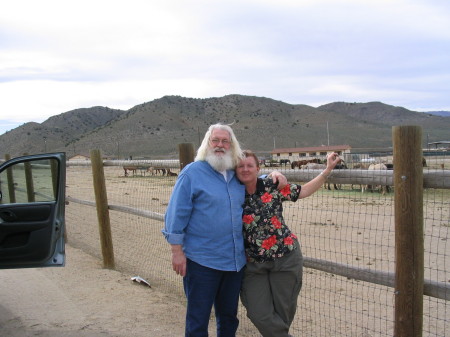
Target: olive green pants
[(270, 291)]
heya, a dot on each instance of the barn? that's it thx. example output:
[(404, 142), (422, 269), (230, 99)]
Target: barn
[(299, 153)]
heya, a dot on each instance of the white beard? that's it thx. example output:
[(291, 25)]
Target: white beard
[(220, 162)]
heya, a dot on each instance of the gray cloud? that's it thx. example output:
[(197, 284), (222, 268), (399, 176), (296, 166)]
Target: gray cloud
[(87, 53)]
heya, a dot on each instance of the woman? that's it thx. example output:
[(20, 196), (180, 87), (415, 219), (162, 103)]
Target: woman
[(273, 274)]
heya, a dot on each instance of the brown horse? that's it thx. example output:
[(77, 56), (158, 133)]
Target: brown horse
[(129, 168), (300, 163)]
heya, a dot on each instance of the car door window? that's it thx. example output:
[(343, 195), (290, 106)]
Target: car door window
[(31, 181)]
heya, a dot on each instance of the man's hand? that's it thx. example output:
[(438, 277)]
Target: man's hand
[(280, 178), (178, 260)]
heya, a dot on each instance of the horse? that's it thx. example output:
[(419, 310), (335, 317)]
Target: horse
[(129, 168)]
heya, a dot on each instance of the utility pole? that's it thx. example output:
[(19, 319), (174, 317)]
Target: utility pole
[(328, 135)]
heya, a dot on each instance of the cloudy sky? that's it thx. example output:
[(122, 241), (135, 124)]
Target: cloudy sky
[(56, 56)]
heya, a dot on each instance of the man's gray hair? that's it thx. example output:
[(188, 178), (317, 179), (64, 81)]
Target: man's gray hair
[(235, 147)]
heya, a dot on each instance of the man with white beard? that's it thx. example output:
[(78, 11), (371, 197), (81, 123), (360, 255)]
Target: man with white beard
[(203, 225)]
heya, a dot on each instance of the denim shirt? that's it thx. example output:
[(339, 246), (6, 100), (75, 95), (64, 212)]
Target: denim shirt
[(204, 215)]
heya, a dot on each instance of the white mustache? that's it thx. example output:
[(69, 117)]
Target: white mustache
[(218, 149)]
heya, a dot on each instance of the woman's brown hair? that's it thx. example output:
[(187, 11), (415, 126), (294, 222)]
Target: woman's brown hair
[(248, 153)]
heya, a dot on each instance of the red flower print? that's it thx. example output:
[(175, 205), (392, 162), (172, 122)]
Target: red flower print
[(268, 243), (266, 197), (288, 241), (248, 219), (286, 190), (275, 222)]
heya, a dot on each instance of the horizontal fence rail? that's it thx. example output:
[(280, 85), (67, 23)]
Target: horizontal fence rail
[(124, 209), (156, 163), (431, 179)]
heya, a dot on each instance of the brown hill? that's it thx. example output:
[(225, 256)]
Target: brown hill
[(154, 129), (57, 132)]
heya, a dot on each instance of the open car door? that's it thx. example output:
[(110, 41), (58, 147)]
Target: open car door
[(32, 206)]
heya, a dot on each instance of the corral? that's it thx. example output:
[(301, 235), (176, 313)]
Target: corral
[(345, 227)]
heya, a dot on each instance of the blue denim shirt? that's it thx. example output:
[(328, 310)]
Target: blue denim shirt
[(204, 215)]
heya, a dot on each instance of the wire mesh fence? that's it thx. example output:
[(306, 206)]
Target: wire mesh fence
[(344, 226)]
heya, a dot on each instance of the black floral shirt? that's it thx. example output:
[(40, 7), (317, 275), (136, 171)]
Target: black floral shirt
[(266, 235)]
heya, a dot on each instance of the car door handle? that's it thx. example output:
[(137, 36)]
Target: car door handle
[(8, 216)]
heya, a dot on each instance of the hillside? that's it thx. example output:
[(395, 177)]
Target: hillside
[(153, 129), (57, 132), (440, 113)]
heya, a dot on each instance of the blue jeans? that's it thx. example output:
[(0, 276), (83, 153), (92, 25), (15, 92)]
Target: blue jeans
[(205, 287)]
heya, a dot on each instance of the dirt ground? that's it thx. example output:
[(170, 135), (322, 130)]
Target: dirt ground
[(83, 300)]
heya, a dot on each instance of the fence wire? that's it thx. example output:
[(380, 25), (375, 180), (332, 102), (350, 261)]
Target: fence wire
[(344, 226)]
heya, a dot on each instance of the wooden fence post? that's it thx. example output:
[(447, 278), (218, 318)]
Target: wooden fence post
[(101, 200), (10, 178), (29, 180), (54, 168), (186, 154), (409, 254)]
